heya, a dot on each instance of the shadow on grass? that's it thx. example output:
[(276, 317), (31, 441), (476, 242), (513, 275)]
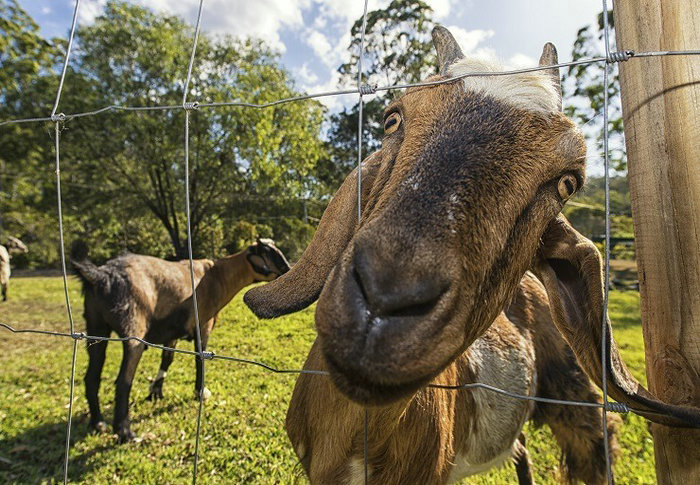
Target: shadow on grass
[(37, 455)]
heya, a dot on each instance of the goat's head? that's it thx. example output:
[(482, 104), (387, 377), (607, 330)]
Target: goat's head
[(463, 198), (266, 260), (15, 246)]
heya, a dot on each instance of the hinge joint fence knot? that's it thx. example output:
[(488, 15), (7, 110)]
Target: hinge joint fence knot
[(191, 106), (619, 56), (367, 89), (617, 407)]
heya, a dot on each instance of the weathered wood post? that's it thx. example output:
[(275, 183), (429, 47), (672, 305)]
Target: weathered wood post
[(661, 109)]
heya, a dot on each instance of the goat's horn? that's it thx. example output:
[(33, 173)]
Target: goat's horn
[(448, 50), (549, 57)]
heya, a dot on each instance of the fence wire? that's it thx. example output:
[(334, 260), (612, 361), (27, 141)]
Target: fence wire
[(360, 90)]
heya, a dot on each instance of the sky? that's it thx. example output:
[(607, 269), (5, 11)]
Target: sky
[(313, 35)]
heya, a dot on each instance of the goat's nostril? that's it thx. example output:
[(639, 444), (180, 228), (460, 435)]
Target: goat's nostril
[(391, 290)]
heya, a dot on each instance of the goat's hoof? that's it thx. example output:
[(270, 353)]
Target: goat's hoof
[(125, 435), (206, 394), (98, 427), (155, 395)]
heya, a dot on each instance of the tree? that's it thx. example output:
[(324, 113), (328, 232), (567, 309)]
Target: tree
[(28, 65), (135, 57), (397, 49), (122, 172), (584, 95)]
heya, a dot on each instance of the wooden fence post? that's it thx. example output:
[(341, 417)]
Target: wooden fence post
[(661, 110)]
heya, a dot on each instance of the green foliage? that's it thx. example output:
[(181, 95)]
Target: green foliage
[(123, 172), (586, 212), (242, 437), (583, 91), (397, 49)]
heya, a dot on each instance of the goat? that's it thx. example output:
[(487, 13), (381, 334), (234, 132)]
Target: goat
[(461, 269), (150, 298), (12, 246)]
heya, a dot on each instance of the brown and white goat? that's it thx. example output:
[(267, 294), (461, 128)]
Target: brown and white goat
[(150, 298), (433, 285), (12, 246)]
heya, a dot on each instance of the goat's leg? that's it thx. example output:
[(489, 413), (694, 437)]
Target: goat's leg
[(4, 292), (96, 358), (156, 389), (577, 429), (521, 458), (130, 360), (199, 364)]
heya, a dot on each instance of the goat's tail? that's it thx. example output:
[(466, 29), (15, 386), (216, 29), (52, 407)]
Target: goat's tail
[(89, 274)]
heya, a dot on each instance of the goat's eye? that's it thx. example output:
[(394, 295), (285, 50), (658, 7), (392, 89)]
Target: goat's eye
[(567, 186), (391, 123)]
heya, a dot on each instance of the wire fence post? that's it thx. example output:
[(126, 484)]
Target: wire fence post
[(606, 276), (361, 90), (199, 359), (57, 119)]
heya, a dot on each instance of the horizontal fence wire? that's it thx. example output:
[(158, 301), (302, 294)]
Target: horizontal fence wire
[(361, 90), (210, 355), (364, 89)]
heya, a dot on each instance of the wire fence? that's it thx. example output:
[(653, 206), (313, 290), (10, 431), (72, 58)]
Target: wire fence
[(360, 90)]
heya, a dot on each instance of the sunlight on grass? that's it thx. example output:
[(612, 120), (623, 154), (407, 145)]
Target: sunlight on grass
[(243, 438)]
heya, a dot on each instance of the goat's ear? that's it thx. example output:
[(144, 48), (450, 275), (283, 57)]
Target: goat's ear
[(549, 57), (569, 265), (302, 284)]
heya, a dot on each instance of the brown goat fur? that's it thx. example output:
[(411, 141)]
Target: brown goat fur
[(420, 439), (151, 299), (431, 286)]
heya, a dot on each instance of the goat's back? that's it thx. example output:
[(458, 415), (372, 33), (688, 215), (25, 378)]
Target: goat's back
[(131, 291)]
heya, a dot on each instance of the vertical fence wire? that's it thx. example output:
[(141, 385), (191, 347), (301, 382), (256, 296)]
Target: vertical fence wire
[(359, 189), (65, 60), (606, 276), (57, 130), (359, 122), (199, 359)]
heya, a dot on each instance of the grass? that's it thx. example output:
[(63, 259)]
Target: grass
[(242, 436)]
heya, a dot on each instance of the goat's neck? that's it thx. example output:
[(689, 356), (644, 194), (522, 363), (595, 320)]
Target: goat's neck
[(221, 282)]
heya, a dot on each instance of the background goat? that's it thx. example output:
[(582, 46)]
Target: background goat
[(150, 298), (12, 246), (432, 286)]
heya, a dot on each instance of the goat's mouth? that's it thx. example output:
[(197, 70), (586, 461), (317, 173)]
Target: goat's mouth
[(377, 359)]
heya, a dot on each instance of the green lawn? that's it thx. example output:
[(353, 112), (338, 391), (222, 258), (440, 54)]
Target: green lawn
[(242, 438)]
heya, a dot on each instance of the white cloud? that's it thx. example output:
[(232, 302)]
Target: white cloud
[(262, 18), (305, 75), (46, 10), (441, 8), (319, 43), (469, 40), (520, 61), (89, 10)]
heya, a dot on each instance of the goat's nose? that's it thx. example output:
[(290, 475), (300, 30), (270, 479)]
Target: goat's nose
[(392, 287)]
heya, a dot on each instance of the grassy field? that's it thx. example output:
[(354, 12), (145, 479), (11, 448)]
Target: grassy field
[(242, 438)]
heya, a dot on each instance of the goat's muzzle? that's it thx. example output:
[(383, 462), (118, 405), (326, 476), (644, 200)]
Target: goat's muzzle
[(387, 330)]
